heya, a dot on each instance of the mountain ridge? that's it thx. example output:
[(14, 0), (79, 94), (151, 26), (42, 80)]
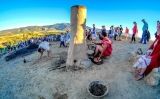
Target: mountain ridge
[(57, 26)]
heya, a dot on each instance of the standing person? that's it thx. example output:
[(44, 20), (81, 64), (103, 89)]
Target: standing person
[(94, 34), (67, 38), (158, 25), (103, 29), (89, 35), (115, 33), (111, 32), (126, 33), (120, 32), (62, 40), (144, 34), (135, 30)]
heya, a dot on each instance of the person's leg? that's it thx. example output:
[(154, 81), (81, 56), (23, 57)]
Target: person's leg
[(60, 43), (140, 74), (145, 39), (98, 51), (141, 41), (120, 35), (63, 44), (48, 53), (155, 63), (142, 71), (126, 36), (114, 36), (134, 38), (41, 54)]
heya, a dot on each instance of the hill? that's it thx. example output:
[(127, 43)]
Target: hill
[(28, 29)]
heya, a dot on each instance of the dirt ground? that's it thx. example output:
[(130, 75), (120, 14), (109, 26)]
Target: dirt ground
[(34, 80)]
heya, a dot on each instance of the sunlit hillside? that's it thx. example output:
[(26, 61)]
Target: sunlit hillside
[(13, 36)]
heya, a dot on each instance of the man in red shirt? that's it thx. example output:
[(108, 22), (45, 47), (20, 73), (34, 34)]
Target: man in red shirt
[(135, 30), (103, 48)]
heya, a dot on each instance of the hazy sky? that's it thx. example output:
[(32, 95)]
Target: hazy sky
[(19, 13)]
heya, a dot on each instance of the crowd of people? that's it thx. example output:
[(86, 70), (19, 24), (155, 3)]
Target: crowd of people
[(145, 64), (116, 33), (103, 45), (11, 48)]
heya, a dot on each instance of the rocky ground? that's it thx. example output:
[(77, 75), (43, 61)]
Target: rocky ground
[(36, 79)]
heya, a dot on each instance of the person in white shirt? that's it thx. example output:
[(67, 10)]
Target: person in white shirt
[(44, 46), (141, 65), (94, 34), (67, 38)]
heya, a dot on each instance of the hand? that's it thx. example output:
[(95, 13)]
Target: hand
[(98, 58), (93, 41)]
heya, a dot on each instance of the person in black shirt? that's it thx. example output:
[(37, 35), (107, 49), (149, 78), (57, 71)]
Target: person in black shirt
[(121, 31)]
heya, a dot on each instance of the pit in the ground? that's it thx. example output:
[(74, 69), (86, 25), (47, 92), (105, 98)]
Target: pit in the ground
[(97, 89)]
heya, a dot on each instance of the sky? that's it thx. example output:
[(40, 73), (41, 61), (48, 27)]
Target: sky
[(20, 13)]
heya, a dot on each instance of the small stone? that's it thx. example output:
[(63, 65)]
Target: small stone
[(90, 51), (153, 79), (86, 63)]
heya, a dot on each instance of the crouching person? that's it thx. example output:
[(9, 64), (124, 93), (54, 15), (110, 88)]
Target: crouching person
[(103, 49), (44, 46)]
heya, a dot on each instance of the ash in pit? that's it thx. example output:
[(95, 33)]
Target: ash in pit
[(97, 89)]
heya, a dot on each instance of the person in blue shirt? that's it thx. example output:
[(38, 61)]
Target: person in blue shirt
[(144, 34)]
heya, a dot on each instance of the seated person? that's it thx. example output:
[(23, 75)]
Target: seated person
[(44, 46), (140, 66), (151, 61), (103, 48)]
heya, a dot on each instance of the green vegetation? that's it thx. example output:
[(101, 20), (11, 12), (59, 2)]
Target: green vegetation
[(13, 36)]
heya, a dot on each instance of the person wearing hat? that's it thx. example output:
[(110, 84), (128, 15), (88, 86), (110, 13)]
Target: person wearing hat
[(145, 30)]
